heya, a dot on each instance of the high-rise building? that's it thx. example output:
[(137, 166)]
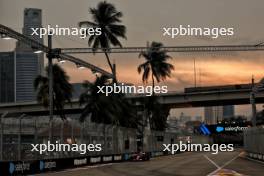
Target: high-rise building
[(19, 68), (228, 111), (26, 64), (198, 118), (32, 19), (213, 114), (7, 77)]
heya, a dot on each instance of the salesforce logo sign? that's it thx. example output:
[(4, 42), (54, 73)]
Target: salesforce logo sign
[(11, 168), (230, 128), (219, 129)]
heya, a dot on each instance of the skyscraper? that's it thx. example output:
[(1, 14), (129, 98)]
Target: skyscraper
[(213, 114), (32, 19), (7, 77), (19, 68), (228, 111)]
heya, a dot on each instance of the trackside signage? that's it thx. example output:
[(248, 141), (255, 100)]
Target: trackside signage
[(47, 165), (95, 159), (117, 158), (79, 162), (41, 166), (18, 167)]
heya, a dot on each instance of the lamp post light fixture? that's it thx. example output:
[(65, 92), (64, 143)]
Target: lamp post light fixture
[(5, 37), (38, 51), (79, 66), (61, 61)]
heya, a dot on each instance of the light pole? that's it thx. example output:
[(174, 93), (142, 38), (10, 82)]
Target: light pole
[(50, 57), (19, 136), (253, 103)]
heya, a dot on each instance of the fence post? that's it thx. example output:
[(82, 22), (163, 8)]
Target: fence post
[(19, 136), (35, 131), (2, 135)]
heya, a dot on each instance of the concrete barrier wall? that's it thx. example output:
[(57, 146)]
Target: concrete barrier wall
[(199, 139), (254, 142)]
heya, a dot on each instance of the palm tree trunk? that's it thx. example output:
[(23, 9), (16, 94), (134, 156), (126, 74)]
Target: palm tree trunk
[(104, 152), (153, 83), (109, 62), (51, 130), (111, 66)]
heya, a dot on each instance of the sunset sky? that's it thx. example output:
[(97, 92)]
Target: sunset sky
[(144, 20)]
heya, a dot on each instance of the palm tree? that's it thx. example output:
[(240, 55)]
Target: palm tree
[(107, 18), (156, 64), (112, 109), (99, 106), (62, 91)]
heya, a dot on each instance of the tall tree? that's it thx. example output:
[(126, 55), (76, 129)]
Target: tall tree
[(62, 91), (156, 67), (98, 105), (106, 17), (112, 109), (156, 64)]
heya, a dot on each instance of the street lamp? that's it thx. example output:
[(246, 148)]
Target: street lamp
[(19, 136), (5, 37), (61, 61), (50, 70), (38, 51)]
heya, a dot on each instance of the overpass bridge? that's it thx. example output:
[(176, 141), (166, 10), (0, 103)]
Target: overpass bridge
[(201, 97), (205, 98)]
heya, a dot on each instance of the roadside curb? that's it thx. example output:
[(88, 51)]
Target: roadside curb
[(259, 158)]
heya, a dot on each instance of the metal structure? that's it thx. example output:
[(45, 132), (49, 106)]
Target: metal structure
[(54, 53), (217, 48), (57, 52)]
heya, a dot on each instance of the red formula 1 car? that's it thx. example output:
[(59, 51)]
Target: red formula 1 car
[(140, 156)]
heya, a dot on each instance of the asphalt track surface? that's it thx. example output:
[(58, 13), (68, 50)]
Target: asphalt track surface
[(185, 164)]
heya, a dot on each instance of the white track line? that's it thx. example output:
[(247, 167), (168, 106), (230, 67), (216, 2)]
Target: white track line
[(218, 167), (224, 165)]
